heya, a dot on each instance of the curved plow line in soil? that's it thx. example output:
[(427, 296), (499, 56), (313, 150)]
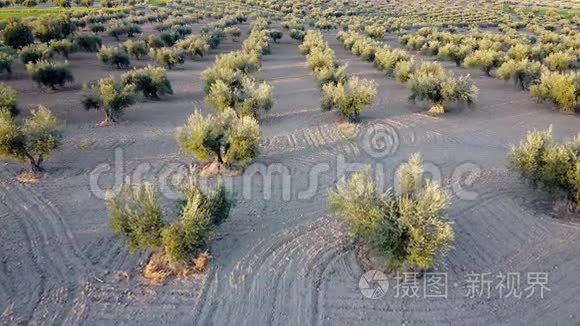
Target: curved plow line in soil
[(56, 254), (266, 275)]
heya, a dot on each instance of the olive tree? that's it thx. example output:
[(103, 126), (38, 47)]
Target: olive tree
[(167, 57), (35, 53), (563, 89), (63, 47), (33, 140), (109, 95), (88, 42), (225, 138), (407, 227), (136, 49), (349, 98), (247, 98), (441, 89), (17, 34), (50, 73), (152, 81), (114, 56), (194, 46), (544, 163), (523, 73), (484, 59)]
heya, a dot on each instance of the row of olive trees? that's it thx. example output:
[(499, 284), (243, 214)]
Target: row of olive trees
[(535, 67), (230, 138), (426, 81), (347, 95)]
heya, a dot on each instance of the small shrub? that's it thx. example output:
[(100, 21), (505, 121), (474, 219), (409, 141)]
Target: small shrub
[(349, 98), (49, 73), (403, 70), (30, 141), (376, 32), (114, 56), (152, 81), (117, 30), (275, 35)]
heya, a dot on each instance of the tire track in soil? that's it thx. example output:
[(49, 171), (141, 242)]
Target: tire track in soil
[(56, 255)]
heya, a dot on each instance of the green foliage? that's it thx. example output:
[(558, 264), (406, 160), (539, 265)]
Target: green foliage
[(563, 89), (152, 81), (88, 42), (17, 34), (519, 52), (258, 42), (386, 59), (136, 49), (548, 165), (226, 138), (194, 46), (63, 47), (233, 32), (371, 216), (114, 56), (200, 213), (297, 34), (455, 53), (31, 141), (408, 228), (349, 98), (230, 68), (109, 95), (53, 28), (167, 57), (6, 60), (376, 32), (135, 213), (312, 39), (35, 53), (49, 73), (403, 70), (523, 73), (275, 35), (440, 89), (8, 99), (246, 98), (484, 59), (560, 61), (117, 30)]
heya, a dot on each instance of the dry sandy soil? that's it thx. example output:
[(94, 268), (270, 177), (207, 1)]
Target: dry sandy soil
[(277, 260)]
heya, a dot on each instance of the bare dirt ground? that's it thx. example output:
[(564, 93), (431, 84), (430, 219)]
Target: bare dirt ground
[(280, 260)]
